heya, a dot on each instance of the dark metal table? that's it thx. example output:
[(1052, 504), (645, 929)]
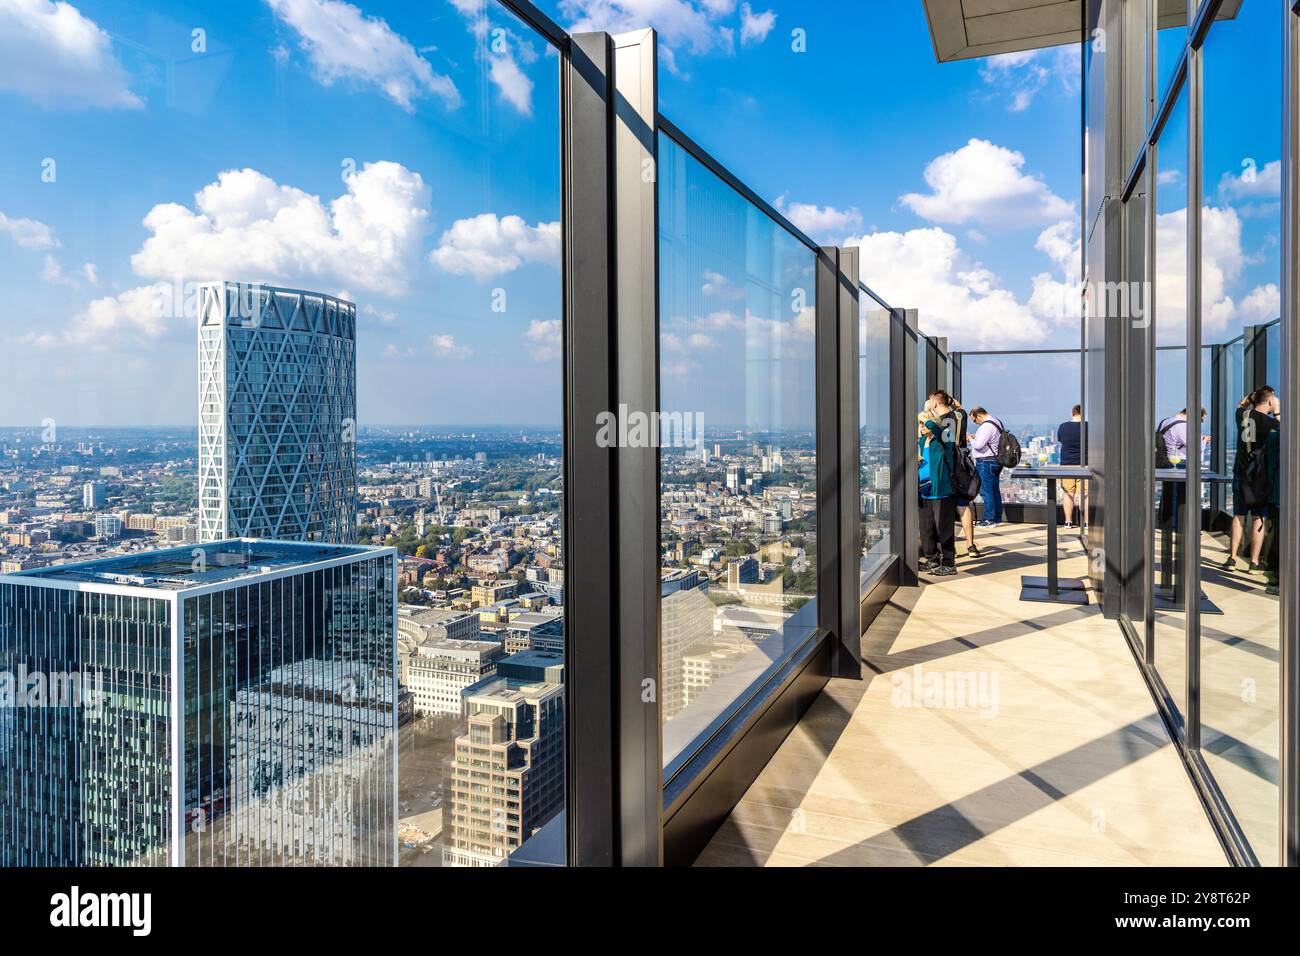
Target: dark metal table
[(1051, 588), (1169, 594)]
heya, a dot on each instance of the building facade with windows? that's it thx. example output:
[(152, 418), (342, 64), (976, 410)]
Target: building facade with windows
[(277, 414), (230, 704)]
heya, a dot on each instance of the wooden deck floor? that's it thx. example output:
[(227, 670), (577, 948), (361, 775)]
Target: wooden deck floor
[(987, 732)]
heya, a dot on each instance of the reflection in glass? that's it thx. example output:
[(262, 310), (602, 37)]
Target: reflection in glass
[(874, 445), (738, 479), (411, 191), (1240, 280), (1032, 395), (1176, 430), (1171, 35)]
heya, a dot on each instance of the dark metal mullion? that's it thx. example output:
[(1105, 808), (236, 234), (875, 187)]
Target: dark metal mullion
[(838, 528), (1148, 414), (588, 549), (905, 523), (540, 22), (827, 441), (1289, 390), (1192, 502), (639, 810)]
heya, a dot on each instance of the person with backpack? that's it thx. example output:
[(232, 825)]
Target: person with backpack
[(935, 429), (984, 448), (1253, 494), (1171, 452), (965, 477)]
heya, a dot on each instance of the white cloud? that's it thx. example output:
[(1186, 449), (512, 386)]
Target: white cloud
[(136, 316), (754, 27), (246, 226), (1261, 305), (692, 25), (820, 221), (925, 269), (1058, 298), (985, 184), (545, 336), (1221, 265), (444, 346), (719, 286), (54, 55), (28, 233), (501, 49), (342, 43), (1020, 76), (379, 315), (485, 246), (1253, 183), (393, 351), (515, 86)]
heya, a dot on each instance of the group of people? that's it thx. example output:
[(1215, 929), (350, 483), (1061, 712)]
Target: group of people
[(1256, 484), (948, 451), (1255, 479)]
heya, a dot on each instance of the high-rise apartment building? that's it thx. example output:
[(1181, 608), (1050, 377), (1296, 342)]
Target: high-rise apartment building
[(277, 414), (92, 495), (506, 775), (231, 703)]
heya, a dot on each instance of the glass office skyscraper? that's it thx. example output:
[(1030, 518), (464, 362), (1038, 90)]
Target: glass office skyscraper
[(277, 414), (227, 704)]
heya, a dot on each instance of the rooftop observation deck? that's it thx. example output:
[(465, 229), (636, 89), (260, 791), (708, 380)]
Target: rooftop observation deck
[(1054, 756)]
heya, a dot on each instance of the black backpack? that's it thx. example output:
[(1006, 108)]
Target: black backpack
[(1162, 450), (1252, 472), (1009, 453), (965, 477)]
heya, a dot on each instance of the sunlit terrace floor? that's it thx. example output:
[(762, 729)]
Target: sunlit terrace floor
[(1064, 762)]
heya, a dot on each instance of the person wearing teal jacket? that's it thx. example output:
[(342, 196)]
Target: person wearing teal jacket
[(935, 445)]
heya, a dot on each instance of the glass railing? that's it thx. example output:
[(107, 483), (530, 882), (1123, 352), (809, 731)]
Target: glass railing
[(738, 503), (875, 451), (1032, 394), (341, 230)]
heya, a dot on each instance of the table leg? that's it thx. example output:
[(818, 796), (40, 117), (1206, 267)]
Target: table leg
[(1053, 584)]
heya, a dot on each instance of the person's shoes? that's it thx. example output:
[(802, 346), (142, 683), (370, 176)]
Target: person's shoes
[(1258, 568), (1068, 524), (1273, 589), (1229, 565), (928, 565), (973, 552), (943, 570), (985, 524)]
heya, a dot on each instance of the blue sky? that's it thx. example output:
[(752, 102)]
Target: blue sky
[(407, 156)]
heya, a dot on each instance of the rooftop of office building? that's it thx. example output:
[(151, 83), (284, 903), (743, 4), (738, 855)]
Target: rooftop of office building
[(193, 566)]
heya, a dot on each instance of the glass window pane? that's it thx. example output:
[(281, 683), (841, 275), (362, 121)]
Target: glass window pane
[(342, 221), (874, 445), (1240, 275), (1171, 36), (738, 492), (1176, 433), (1032, 395)]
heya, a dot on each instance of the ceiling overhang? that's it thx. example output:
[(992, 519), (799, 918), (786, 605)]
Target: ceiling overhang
[(967, 29)]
